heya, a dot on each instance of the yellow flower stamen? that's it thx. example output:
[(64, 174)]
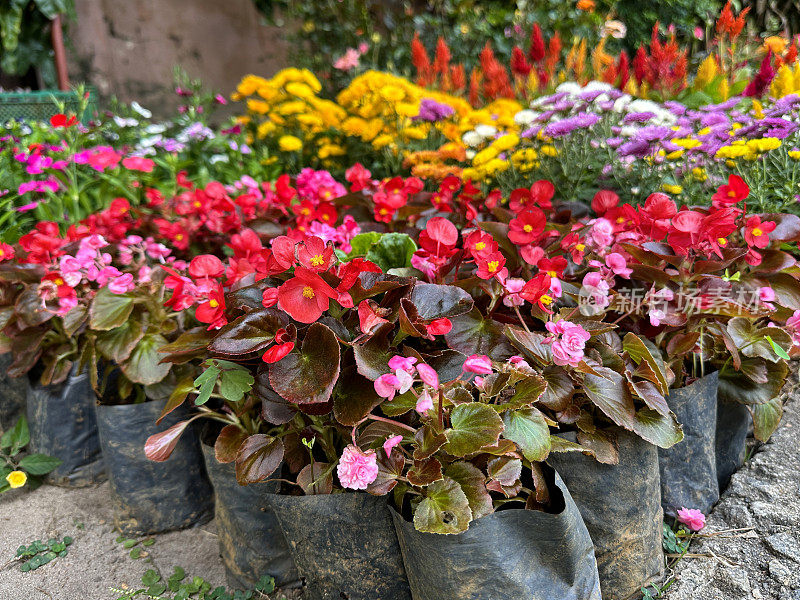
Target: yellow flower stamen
[(308, 292)]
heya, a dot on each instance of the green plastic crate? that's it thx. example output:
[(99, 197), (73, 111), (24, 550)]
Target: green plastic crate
[(41, 105)]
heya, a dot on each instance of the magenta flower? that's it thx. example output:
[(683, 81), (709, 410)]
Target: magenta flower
[(357, 469), (692, 518), (568, 342), (617, 263), (479, 364)]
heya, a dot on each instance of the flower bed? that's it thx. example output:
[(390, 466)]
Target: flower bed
[(462, 320)]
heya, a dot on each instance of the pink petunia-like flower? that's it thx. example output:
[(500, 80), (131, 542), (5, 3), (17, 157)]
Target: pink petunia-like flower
[(692, 518), (479, 364), (356, 468), (390, 443)]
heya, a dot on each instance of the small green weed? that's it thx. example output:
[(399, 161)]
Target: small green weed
[(39, 553), (179, 587)]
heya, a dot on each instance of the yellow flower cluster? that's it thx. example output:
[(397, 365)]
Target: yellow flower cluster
[(786, 81), (749, 149), (287, 107), (380, 107)]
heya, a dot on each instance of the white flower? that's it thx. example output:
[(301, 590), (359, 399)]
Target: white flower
[(155, 128), (621, 103), (571, 87), (525, 117), (472, 139), (594, 86), (141, 110), (121, 122), (485, 131), (214, 159), (470, 154)]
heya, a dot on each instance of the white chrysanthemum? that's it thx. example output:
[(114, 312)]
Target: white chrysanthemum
[(485, 131), (621, 103), (525, 117), (472, 139), (571, 87), (597, 86)]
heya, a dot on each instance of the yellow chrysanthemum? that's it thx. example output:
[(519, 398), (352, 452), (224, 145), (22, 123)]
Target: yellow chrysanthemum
[(290, 143)]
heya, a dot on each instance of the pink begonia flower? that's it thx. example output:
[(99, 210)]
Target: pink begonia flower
[(656, 315), (363, 47), (569, 341), (145, 274), (424, 403), (692, 518), (386, 386), (767, 295), (66, 304), (602, 233), (391, 443), (405, 363), (513, 286), (357, 469), (617, 263), (597, 288), (423, 264), (793, 325), (428, 375), (479, 364), (122, 284), (520, 363)]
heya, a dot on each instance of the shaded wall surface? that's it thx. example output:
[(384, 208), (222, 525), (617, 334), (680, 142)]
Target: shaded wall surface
[(128, 48)]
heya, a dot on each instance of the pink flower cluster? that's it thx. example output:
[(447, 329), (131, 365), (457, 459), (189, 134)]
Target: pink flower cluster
[(318, 185), (356, 468), (567, 342), (90, 264), (402, 379)]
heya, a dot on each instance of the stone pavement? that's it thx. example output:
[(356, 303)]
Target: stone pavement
[(753, 548)]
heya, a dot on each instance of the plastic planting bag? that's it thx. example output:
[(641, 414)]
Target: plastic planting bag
[(733, 424), (12, 394), (151, 497), (344, 545), (621, 506), (62, 423), (251, 543), (514, 553), (689, 468)]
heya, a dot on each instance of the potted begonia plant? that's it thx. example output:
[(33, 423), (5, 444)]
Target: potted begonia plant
[(327, 322)]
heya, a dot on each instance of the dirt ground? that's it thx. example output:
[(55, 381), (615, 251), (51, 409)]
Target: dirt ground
[(95, 561)]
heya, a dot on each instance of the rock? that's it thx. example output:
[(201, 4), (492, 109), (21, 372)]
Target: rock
[(780, 572), (784, 544)]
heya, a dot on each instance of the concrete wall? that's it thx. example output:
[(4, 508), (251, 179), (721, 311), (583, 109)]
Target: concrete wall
[(128, 48)]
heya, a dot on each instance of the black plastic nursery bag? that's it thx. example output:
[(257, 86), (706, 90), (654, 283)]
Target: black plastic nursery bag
[(689, 469), (733, 424), (512, 553), (62, 424), (12, 394), (344, 546), (151, 497), (251, 542), (621, 506)]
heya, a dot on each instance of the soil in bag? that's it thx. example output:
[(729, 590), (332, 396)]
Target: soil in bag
[(689, 469), (62, 423), (344, 546), (152, 497), (733, 424), (513, 553), (251, 542), (621, 506)]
